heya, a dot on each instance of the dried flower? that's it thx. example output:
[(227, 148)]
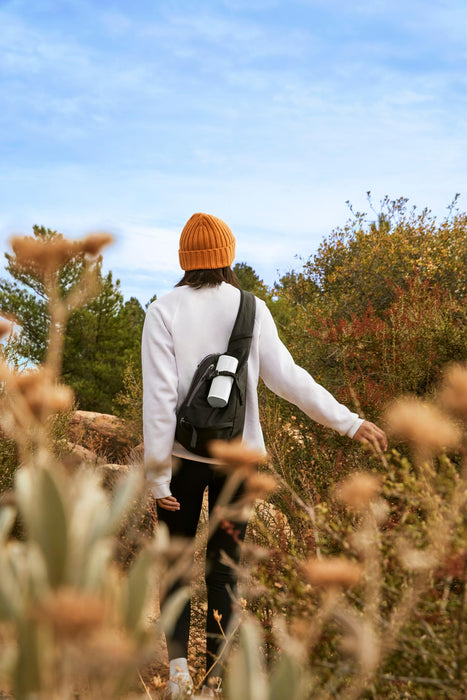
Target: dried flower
[(234, 454), (40, 392), (422, 423), (260, 485), (358, 490), (453, 392), (59, 398), (415, 559), (332, 572), (71, 613), (380, 510), (44, 255), (157, 682), (93, 244), (6, 328)]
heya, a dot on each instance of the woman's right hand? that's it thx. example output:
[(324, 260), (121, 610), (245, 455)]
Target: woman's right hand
[(168, 503), (369, 433)]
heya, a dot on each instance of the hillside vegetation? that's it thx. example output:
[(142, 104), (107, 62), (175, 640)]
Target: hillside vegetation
[(353, 582)]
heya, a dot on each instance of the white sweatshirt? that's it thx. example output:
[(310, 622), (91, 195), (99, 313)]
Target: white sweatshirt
[(186, 325)]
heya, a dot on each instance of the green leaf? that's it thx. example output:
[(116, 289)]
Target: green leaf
[(89, 510), (35, 573), (288, 680), (28, 677), (26, 480), (96, 564), (138, 584), (245, 676), (7, 519), (44, 512), (10, 596)]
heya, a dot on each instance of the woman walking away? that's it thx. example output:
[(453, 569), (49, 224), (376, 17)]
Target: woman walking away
[(181, 328)]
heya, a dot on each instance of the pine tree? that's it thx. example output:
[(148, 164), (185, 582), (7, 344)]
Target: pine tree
[(101, 338)]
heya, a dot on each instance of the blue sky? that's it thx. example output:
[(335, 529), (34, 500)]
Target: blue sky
[(130, 116)]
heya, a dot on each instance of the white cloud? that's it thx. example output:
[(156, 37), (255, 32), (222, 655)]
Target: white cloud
[(136, 120), (142, 247)]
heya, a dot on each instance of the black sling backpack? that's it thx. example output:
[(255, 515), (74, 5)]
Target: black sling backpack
[(197, 421)]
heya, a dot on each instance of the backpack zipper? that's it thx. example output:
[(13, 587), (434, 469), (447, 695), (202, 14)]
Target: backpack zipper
[(204, 376)]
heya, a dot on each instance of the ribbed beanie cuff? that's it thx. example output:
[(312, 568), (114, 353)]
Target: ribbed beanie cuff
[(206, 243)]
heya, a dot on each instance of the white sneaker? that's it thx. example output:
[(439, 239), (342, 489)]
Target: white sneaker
[(180, 686)]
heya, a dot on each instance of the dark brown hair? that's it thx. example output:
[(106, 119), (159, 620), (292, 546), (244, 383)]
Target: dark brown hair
[(209, 278)]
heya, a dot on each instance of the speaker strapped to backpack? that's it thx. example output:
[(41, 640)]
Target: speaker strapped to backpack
[(197, 421)]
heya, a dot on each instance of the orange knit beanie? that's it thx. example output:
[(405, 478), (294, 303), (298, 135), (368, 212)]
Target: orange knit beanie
[(206, 243)]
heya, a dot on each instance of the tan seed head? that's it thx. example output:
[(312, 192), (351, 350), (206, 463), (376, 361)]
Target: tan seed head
[(332, 572), (453, 391), (6, 328), (358, 490), (260, 485), (234, 455), (93, 244), (71, 612), (422, 424)]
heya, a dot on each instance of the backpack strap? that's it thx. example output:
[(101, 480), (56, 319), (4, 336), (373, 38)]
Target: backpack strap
[(242, 332)]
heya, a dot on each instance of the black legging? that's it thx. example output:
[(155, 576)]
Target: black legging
[(188, 485)]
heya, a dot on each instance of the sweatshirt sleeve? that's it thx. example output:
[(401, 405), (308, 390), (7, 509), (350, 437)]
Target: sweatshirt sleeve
[(160, 389), (291, 382)]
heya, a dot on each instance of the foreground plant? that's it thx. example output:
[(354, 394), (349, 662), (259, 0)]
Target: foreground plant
[(69, 619)]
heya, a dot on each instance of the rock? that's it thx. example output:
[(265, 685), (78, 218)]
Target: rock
[(104, 434), (84, 454), (111, 473)]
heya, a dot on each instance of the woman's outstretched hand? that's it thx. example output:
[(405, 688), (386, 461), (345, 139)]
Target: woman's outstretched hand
[(369, 434), (168, 503)]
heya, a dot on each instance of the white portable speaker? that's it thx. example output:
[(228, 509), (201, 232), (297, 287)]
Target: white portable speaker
[(221, 386)]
